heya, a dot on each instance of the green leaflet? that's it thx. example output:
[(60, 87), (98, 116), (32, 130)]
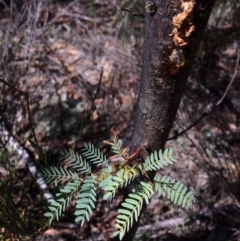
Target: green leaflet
[(132, 207), (118, 145), (86, 200), (158, 159), (56, 175), (75, 161), (94, 155), (174, 190), (122, 178), (63, 200)]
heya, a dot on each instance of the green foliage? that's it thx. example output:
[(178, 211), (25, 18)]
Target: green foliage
[(81, 182), (54, 174), (132, 207), (174, 190), (86, 200), (9, 213), (116, 146), (122, 178), (12, 218), (94, 155), (75, 161), (158, 159), (63, 199)]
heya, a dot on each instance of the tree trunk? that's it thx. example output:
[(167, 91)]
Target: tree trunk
[(173, 35)]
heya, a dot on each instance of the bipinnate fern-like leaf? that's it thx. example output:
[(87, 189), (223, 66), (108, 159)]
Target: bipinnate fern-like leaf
[(63, 199), (86, 200), (54, 174), (94, 155), (111, 178), (174, 190), (75, 161), (158, 159), (122, 178), (132, 207)]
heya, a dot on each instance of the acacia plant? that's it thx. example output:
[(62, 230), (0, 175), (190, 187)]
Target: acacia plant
[(173, 33), (77, 180)]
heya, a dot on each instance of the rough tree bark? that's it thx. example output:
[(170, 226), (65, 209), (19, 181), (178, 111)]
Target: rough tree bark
[(173, 34)]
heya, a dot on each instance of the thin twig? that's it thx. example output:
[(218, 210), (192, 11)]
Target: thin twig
[(23, 152), (91, 109), (214, 171), (118, 12), (206, 114), (233, 78), (26, 96), (133, 13)]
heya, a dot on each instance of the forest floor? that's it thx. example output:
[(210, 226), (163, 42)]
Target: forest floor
[(56, 52)]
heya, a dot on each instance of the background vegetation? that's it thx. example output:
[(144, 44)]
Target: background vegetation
[(55, 51)]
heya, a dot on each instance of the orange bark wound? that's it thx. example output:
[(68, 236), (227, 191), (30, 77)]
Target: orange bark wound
[(183, 24)]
